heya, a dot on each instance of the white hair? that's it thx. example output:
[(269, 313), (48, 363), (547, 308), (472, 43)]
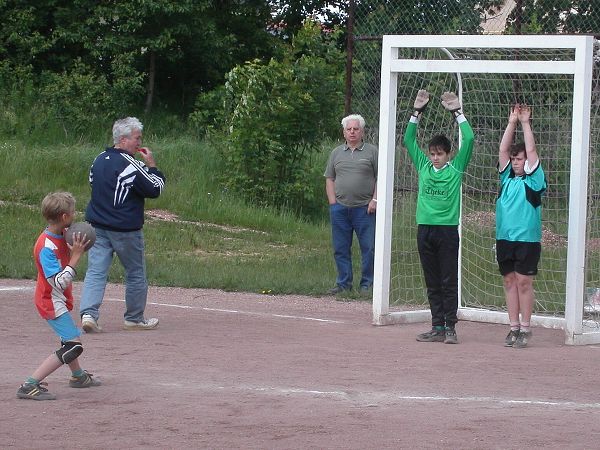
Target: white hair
[(124, 128), (361, 120)]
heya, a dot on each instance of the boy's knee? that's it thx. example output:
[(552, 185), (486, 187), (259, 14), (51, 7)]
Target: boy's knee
[(510, 280), (69, 351)]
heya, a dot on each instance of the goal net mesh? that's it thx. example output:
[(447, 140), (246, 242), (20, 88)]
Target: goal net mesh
[(487, 99)]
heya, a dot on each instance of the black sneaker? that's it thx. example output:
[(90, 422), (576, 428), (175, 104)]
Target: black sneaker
[(84, 381), (523, 339), (451, 337), (35, 392), (432, 336), (511, 338), (336, 290)]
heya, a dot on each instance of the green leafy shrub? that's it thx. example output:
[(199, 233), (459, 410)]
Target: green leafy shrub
[(17, 95), (276, 114), (81, 98), (208, 111)]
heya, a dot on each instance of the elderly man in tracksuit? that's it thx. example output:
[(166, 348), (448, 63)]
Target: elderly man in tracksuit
[(120, 184)]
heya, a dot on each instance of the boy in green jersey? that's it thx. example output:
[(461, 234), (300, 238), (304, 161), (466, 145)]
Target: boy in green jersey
[(438, 211), (519, 223)]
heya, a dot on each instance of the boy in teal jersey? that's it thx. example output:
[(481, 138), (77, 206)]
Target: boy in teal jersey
[(519, 223), (438, 211)]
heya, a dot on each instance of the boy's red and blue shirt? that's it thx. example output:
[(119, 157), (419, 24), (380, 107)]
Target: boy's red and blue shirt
[(53, 290)]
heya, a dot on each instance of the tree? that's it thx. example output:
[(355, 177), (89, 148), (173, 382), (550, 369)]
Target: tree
[(176, 48), (277, 113), (289, 15), (556, 16)]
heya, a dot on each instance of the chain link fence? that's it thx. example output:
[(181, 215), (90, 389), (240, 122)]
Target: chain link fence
[(369, 20), (487, 100)]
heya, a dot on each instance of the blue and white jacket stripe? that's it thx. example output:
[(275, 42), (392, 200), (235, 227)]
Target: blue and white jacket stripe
[(120, 184)]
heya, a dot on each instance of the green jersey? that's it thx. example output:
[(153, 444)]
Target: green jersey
[(438, 201)]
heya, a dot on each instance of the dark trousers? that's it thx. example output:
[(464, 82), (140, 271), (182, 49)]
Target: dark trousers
[(438, 251)]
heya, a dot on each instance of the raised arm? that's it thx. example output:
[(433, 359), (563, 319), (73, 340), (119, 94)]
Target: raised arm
[(410, 135), (507, 138), (451, 102), (421, 102), (530, 148)]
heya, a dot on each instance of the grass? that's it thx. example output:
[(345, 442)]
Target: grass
[(217, 240)]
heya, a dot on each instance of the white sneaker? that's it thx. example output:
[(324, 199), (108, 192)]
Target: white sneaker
[(145, 324), (89, 324)]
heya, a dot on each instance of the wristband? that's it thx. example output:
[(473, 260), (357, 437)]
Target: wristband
[(374, 199)]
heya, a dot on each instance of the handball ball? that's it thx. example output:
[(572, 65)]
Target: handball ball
[(83, 228)]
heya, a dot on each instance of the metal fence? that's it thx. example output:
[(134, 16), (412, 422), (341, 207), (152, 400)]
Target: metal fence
[(551, 99), (369, 20)]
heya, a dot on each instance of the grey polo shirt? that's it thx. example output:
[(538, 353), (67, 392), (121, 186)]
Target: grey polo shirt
[(354, 173)]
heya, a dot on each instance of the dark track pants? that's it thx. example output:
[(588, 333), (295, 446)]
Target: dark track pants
[(438, 251)]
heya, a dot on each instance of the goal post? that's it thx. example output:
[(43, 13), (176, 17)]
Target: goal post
[(530, 64)]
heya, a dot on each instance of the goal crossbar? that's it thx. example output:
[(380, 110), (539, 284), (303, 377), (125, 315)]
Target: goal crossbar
[(432, 65), (580, 66)]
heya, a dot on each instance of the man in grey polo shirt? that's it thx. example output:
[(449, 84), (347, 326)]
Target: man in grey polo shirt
[(351, 184)]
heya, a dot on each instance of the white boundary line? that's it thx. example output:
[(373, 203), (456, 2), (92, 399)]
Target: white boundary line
[(228, 311), (235, 311), (369, 399), (373, 398)]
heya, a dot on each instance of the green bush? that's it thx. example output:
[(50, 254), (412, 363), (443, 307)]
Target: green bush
[(17, 95), (80, 99), (208, 112), (76, 99), (276, 115)]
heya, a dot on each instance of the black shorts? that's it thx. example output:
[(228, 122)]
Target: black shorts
[(520, 257)]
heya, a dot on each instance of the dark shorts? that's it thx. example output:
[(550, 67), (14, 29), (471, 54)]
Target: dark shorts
[(520, 257)]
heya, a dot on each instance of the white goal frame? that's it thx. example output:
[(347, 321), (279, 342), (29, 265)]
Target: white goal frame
[(580, 67)]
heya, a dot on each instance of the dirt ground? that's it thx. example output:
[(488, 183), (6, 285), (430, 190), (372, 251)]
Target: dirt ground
[(235, 370)]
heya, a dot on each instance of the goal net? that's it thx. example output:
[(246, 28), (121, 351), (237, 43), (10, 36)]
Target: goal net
[(558, 76)]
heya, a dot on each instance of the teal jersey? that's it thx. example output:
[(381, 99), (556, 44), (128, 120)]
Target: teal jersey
[(519, 205), (438, 201)]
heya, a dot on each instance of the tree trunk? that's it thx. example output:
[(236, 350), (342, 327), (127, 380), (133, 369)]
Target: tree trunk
[(151, 78), (349, 56)]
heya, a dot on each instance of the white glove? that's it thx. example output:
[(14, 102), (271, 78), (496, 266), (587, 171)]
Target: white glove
[(421, 100), (450, 101)]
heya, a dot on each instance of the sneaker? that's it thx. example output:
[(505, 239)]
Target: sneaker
[(511, 338), (451, 337), (522, 339), (89, 324), (35, 392), (84, 381), (145, 324), (432, 336), (336, 290)]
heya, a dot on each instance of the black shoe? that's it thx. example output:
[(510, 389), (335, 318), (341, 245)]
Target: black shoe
[(451, 337), (432, 336), (366, 291), (511, 338), (336, 290), (35, 392), (84, 381), (522, 339)]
